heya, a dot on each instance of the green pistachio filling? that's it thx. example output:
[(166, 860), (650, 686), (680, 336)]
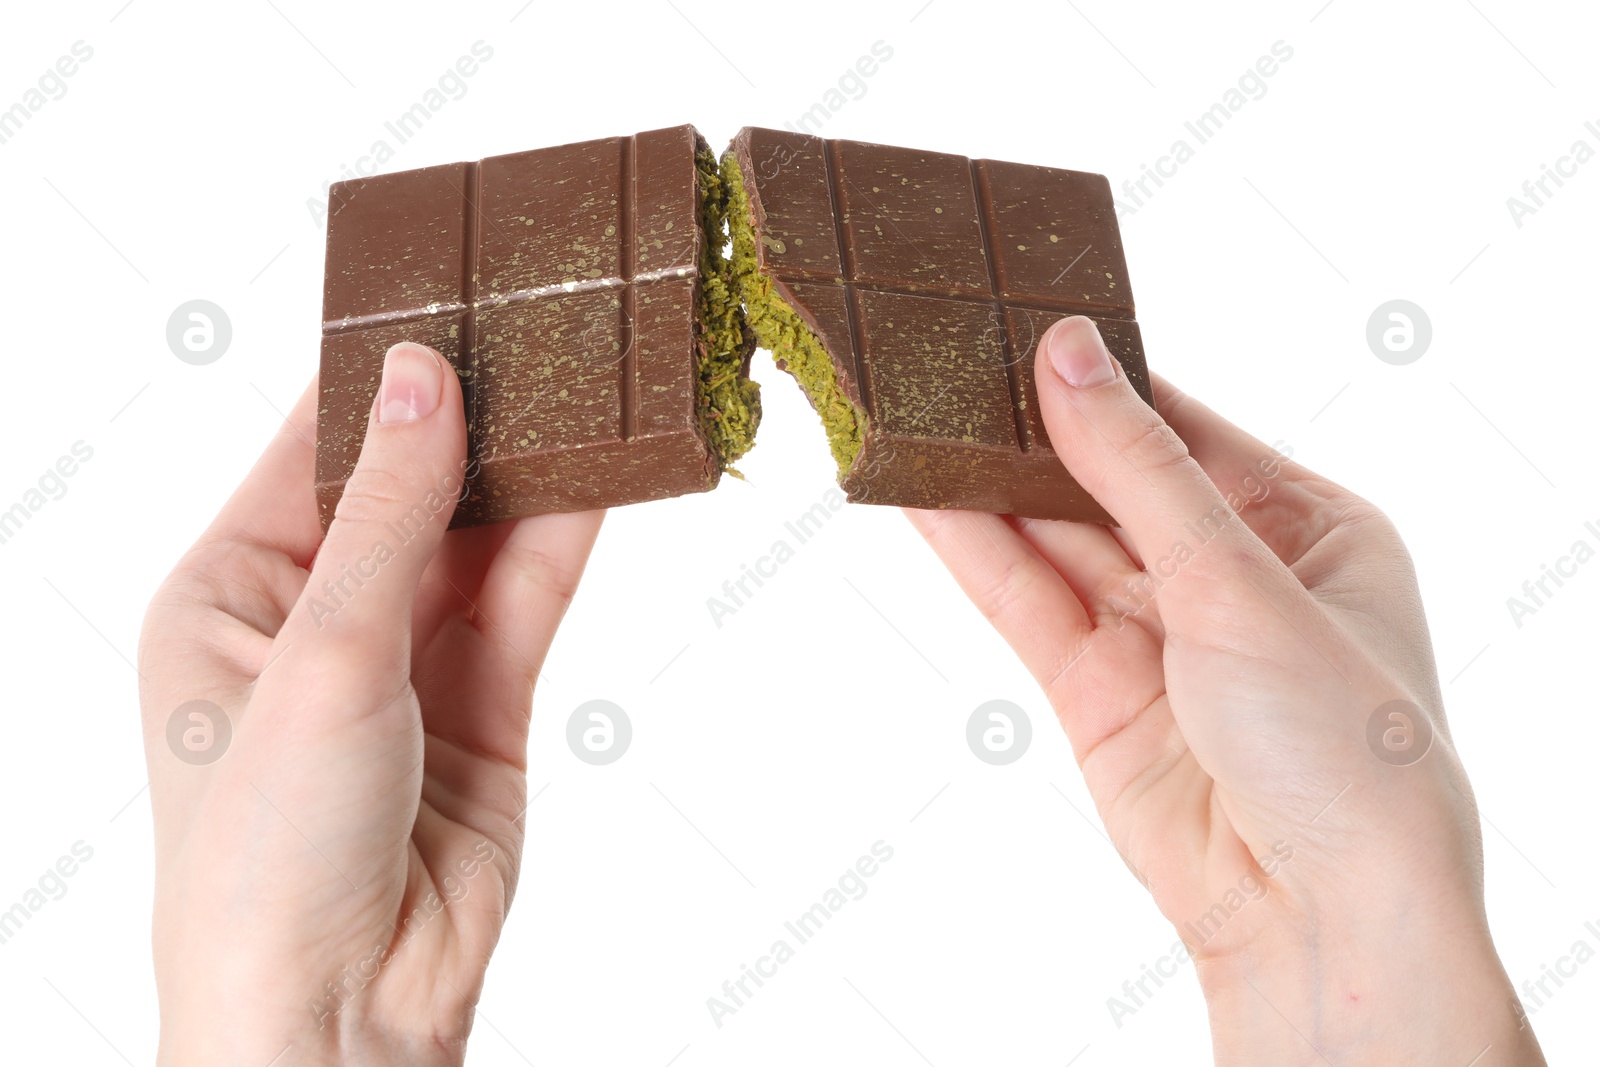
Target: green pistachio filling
[(729, 404), (780, 329)]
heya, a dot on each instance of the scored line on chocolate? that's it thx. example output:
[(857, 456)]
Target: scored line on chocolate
[(806, 275), (628, 236), (468, 301), (472, 194), (986, 227), (352, 323), (801, 275), (852, 306)]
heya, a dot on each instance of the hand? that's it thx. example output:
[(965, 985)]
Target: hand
[(1215, 662), (333, 885)]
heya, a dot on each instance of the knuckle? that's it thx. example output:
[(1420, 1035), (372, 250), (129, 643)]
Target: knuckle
[(323, 667), (1372, 526), (1153, 445), (208, 576), (375, 494), (549, 573), (1359, 511), (1172, 400), (1337, 508), (1003, 594)]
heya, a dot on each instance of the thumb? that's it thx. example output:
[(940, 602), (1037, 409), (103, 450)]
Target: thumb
[(1118, 448), (1139, 469), (1219, 583), (394, 512)]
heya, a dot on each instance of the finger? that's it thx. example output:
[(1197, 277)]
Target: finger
[(275, 507), (1132, 550), (1138, 468), (1036, 612), (453, 581), (497, 648), (1087, 555), (239, 580), (1222, 594), (530, 583), (393, 514), (1012, 585)]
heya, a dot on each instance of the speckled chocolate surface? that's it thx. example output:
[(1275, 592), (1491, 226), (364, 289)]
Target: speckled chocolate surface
[(929, 278), (560, 283)]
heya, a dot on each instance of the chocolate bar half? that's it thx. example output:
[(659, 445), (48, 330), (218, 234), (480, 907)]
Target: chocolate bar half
[(906, 291), (602, 356)]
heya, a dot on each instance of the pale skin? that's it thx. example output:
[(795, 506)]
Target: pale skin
[(385, 745), (1230, 715), (379, 749)]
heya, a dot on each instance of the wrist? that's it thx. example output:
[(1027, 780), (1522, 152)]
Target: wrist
[(233, 1038), (203, 1033), (244, 1019), (1357, 1000)]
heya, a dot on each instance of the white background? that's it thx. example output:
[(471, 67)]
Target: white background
[(829, 712)]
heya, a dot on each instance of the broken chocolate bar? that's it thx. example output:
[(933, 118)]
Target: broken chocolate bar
[(602, 356), (602, 333), (906, 292)]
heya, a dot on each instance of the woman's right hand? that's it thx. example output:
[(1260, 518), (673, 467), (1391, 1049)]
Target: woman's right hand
[(1244, 671)]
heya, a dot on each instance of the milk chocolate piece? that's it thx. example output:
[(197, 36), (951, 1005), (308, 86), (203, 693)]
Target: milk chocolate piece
[(928, 279), (564, 285)]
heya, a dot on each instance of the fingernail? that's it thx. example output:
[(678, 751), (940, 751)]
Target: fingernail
[(412, 383), (1077, 353)]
